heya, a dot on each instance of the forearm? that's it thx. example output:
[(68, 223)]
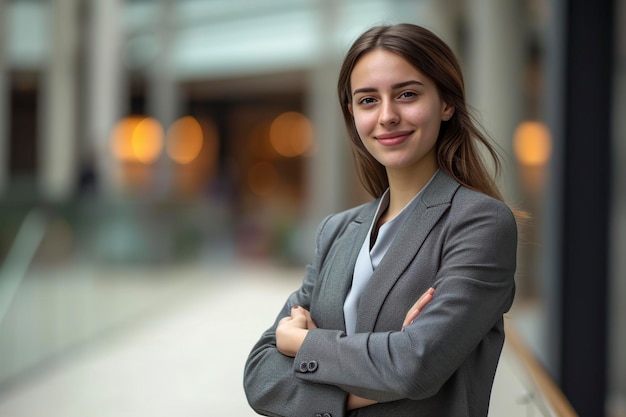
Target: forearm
[(270, 383), (411, 364), (272, 388), (290, 335), (341, 363)]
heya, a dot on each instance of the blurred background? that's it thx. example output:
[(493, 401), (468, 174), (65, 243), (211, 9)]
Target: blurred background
[(164, 165)]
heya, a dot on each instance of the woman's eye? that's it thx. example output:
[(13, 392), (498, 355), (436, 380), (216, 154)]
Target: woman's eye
[(408, 94), (366, 100)]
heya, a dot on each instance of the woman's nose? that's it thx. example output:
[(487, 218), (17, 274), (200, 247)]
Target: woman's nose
[(388, 114)]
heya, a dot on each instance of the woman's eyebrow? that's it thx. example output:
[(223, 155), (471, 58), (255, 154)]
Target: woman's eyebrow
[(393, 87), (364, 90), (406, 84)]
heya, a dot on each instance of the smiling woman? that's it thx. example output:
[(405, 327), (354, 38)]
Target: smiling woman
[(400, 313), (397, 113)]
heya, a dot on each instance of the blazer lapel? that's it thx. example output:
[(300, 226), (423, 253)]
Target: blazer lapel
[(338, 278), (434, 202)]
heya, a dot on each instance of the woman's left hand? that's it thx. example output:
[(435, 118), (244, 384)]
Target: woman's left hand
[(292, 330), (418, 307)]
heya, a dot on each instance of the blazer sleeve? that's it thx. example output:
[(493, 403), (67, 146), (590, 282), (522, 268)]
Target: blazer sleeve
[(270, 384), (474, 287)]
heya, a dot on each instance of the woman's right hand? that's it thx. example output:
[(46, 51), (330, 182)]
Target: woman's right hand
[(418, 307), (354, 402)]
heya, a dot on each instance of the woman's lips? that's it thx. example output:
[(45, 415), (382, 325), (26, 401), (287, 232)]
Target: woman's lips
[(393, 138)]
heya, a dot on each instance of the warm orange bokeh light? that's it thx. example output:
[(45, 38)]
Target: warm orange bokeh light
[(263, 179), (184, 140), (291, 134), (121, 138), (532, 143), (137, 139), (148, 140)]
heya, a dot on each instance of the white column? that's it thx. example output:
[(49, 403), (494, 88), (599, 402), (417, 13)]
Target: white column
[(331, 161), (330, 169), (163, 95), (495, 76), (104, 86), (57, 149), (495, 80), (4, 102)]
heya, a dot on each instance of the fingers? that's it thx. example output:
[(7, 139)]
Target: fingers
[(418, 307), (298, 317), (299, 313), (310, 324), (309, 321), (424, 299), (355, 402)]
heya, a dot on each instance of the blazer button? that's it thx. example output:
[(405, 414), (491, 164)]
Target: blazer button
[(304, 367), (312, 367)]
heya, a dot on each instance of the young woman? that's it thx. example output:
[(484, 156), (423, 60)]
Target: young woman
[(401, 311)]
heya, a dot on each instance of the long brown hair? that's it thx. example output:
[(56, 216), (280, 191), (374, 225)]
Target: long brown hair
[(459, 138)]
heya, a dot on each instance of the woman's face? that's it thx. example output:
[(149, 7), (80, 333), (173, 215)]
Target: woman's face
[(397, 111)]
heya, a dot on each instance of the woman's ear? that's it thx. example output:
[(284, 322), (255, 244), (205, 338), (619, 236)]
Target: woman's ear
[(447, 112), (350, 108)]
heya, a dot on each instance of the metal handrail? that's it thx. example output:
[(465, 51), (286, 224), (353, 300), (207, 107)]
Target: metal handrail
[(20, 256)]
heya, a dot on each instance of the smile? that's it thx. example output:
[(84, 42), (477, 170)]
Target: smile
[(393, 138)]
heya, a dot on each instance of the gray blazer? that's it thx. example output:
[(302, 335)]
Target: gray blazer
[(458, 241)]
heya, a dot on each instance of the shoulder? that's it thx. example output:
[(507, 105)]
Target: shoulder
[(471, 209), (466, 200), (464, 203), (358, 214), (335, 224)]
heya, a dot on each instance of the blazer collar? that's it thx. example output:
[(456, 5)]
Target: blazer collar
[(439, 191)]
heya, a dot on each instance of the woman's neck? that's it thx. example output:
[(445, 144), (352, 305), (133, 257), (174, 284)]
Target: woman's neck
[(404, 185)]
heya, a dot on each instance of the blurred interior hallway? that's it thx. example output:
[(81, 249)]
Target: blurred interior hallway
[(166, 341), (174, 343)]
